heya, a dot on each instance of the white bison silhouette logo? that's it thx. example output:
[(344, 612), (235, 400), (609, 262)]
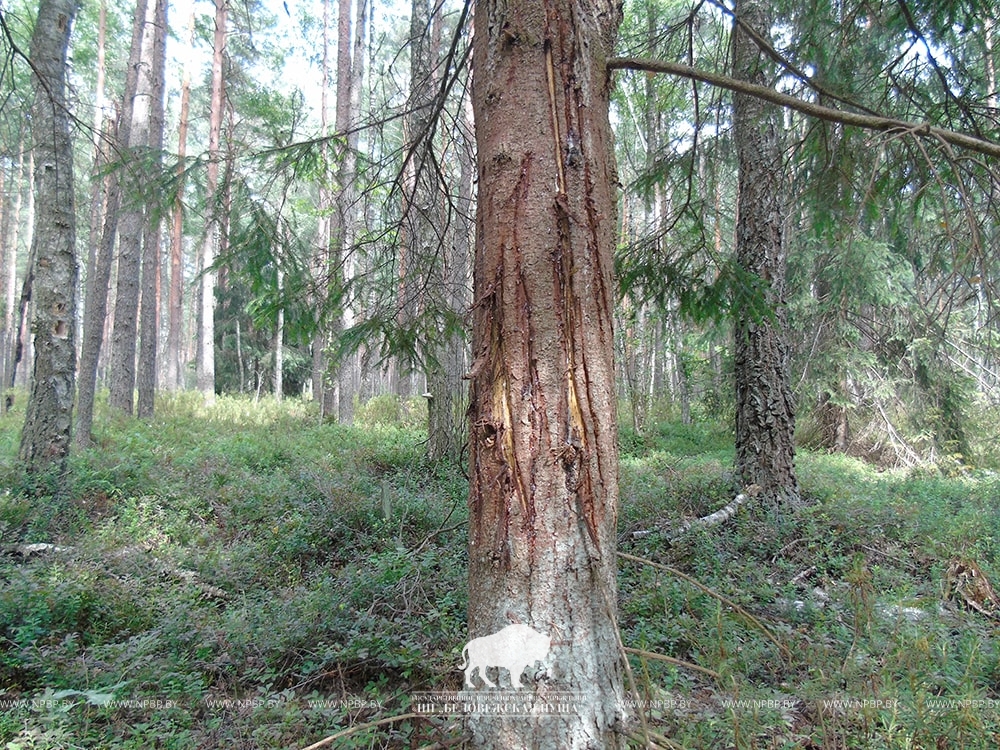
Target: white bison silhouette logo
[(514, 648)]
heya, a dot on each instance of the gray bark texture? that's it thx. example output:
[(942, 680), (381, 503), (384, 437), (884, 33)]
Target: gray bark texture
[(45, 439), (543, 440), (99, 272), (765, 410), (104, 124), (438, 244)]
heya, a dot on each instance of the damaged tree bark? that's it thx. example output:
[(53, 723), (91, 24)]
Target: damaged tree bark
[(543, 444)]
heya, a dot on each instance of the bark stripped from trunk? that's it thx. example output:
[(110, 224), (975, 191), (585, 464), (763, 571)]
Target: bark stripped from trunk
[(543, 445), (45, 440), (765, 412)]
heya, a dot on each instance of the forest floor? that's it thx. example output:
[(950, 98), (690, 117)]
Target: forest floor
[(245, 577)]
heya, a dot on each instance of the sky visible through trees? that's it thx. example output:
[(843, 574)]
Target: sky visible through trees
[(903, 64)]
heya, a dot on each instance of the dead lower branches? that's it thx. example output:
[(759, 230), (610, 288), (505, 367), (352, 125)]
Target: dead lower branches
[(720, 516), (749, 618), (811, 109)]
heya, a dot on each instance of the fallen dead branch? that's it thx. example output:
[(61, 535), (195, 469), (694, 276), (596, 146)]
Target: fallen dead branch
[(643, 725), (967, 583), (802, 575), (671, 660), (655, 737), (757, 624), (720, 516), (326, 741)]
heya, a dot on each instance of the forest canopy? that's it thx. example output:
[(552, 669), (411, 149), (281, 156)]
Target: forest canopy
[(334, 127)]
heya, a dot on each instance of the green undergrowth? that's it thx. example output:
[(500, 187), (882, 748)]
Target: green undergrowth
[(235, 577), (836, 625), (245, 576)]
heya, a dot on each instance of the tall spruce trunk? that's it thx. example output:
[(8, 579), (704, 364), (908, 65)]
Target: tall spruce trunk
[(323, 391), (341, 222), (350, 372), (278, 384), (543, 443), (447, 408), (350, 73), (45, 439), (6, 262), (421, 217), (765, 411), (429, 246)]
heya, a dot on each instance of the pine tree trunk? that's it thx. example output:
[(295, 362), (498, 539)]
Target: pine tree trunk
[(205, 367), (45, 440), (99, 273), (174, 373), (98, 196), (97, 286), (543, 443), (10, 321), (149, 313), (133, 219), (765, 412)]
